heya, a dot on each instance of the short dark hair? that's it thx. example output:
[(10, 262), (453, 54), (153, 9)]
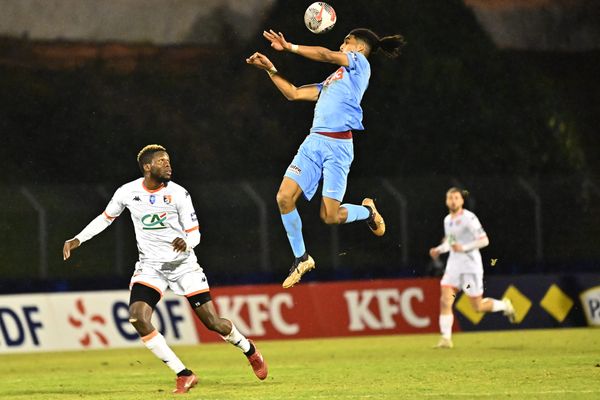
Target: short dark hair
[(464, 193), (389, 45), (145, 155)]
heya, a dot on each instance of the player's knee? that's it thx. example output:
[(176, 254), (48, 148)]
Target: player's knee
[(445, 302), (284, 201), (137, 317)]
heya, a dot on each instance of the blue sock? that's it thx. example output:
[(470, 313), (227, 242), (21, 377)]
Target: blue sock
[(356, 213), (293, 227)]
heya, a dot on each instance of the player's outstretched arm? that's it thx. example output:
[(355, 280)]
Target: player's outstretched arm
[(291, 92), (314, 53), (98, 224)]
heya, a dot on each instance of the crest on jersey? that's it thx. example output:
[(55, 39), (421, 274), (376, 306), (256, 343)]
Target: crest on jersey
[(154, 221), (167, 198), (152, 199)]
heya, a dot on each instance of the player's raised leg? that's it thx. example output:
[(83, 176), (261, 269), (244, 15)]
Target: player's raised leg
[(473, 287), (142, 301), (488, 304), (287, 196), (224, 327), (333, 213), (336, 167), (448, 294)]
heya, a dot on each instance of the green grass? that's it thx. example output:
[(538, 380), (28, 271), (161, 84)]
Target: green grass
[(535, 364)]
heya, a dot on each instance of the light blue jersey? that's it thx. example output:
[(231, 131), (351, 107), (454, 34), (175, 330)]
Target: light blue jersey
[(338, 107)]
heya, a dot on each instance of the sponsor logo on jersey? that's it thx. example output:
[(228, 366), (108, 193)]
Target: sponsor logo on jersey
[(167, 198), (295, 169), (152, 199), (154, 221), (137, 198), (336, 76)]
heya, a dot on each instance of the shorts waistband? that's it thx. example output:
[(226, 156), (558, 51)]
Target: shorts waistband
[(336, 135)]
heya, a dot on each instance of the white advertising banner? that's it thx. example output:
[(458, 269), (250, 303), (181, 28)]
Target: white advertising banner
[(86, 320)]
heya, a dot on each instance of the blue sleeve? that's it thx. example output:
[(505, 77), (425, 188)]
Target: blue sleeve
[(356, 60), (320, 86)]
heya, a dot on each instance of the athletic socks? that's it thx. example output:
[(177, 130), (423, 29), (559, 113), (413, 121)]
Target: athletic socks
[(356, 213), (185, 372), (446, 321), (497, 305), (293, 227), (156, 343), (238, 340)]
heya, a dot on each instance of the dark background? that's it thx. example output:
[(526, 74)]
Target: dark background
[(454, 109)]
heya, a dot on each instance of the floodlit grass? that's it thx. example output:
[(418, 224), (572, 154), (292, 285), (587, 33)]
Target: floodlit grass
[(534, 364)]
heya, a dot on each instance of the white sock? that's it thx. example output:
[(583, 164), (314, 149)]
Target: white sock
[(497, 305), (237, 339), (446, 321), (156, 343)]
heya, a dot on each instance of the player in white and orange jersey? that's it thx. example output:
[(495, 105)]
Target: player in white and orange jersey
[(166, 230), (464, 236)]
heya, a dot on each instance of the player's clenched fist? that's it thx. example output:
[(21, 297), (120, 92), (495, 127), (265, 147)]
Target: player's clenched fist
[(68, 246), (259, 61)]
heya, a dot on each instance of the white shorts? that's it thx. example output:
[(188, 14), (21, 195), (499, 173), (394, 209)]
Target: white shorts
[(470, 282), (186, 279)]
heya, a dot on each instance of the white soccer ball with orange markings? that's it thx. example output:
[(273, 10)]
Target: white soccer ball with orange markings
[(319, 17)]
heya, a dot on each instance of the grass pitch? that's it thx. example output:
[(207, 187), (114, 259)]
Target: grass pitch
[(535, 364)]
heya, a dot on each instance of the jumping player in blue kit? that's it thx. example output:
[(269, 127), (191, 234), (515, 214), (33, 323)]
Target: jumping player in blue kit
[(327, 152)]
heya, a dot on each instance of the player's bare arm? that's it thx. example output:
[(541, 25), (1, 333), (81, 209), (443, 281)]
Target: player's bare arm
[(69, 245), (315, 53), (290, 92)]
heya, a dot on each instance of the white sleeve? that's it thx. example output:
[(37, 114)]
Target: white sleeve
[(476, 244), (116, 205), (475, 228), (481, 239), (98, 224), (444, 247), (114, 208), (187, 214), (192, 239)]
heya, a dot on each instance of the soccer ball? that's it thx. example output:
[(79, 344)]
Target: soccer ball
[(319, 17)]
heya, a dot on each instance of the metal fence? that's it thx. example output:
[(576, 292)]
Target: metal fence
[(532, 223)]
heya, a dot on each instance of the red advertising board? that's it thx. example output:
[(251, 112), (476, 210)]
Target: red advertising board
[(377, 307)]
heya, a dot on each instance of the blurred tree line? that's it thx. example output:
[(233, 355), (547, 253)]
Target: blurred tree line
[(451, 104)]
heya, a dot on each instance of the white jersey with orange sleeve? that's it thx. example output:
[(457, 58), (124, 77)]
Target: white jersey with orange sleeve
[(159, 216), (463, 229)]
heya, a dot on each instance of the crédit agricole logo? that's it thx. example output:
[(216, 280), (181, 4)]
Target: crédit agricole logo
[(154, 221)]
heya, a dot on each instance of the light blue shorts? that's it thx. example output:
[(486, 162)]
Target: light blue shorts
[(323, 157)]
